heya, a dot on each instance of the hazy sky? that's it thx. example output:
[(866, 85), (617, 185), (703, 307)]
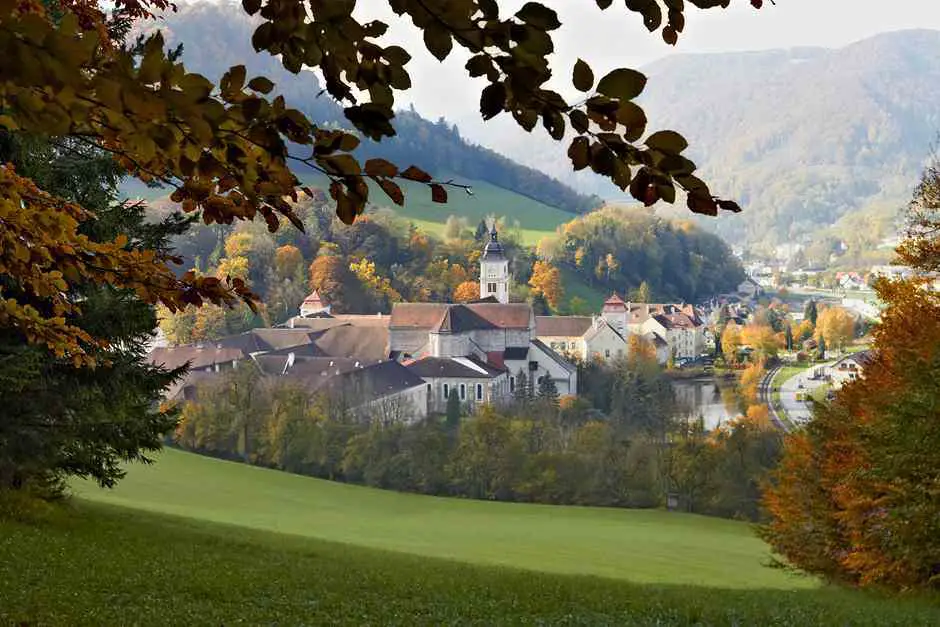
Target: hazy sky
[(616, 37)]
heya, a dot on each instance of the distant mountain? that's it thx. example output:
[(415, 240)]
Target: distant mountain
[(216, 36), (800, 137)]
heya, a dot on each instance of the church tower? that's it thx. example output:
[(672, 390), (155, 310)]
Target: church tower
[(494, 270)]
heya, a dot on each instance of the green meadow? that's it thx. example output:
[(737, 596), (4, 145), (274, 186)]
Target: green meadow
[(191, 540)]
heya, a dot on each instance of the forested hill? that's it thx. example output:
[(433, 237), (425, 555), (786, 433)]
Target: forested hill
[(216, 36), (801, 137)]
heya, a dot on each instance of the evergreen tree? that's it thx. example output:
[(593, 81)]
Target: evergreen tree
[(810, 311), (60, 420), (521, 392), (453, 409), (540, 304), (788, 335), (481, 232), (548, 391), (822, 347)]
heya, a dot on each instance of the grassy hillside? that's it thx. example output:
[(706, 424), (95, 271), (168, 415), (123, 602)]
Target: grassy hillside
[(642, 546), (536, 219), (98, 563)]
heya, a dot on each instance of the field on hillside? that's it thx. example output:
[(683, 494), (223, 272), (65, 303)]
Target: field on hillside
[(95, 563), (642, 546), (536, 219)]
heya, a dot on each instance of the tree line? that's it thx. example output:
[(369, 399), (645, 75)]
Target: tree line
[(624, 443)]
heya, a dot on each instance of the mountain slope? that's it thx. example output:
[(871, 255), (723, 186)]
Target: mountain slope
[(801, 137), (216, 36)]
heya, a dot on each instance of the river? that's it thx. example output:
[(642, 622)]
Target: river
[(703, 397)]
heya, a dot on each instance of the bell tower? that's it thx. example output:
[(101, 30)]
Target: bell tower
[(494, 269)]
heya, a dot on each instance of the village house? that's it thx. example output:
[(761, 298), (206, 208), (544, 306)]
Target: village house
[(585, 337), (680, 326), (849, 368)]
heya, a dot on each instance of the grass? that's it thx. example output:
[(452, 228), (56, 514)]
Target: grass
[(575, 287), (99, 563), (536, 219), (642, 546), (104, 565)]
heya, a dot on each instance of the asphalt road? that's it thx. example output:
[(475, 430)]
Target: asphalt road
[(799, 411)]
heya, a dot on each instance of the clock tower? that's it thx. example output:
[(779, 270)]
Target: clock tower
[(494, 270)]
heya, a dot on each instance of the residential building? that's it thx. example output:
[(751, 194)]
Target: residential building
[(585, 337), (849, 368), (679, 325)]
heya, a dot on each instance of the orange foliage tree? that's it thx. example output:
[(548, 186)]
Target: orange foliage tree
[(466, 292), (857, 495), (546, 279)]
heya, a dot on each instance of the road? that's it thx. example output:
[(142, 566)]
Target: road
[(799, 411)]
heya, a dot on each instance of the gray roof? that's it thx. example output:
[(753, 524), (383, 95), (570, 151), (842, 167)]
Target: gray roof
[(558, 359), (453, 367), (376, 380), (493, 251)]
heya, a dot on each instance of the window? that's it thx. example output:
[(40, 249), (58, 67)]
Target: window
[(479, 392), (491, 288), (607, 353), (512, 384), (491, 271), (446, 391), (463, 392)]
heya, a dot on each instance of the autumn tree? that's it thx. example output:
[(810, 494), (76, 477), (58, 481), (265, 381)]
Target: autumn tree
[(546, 279), (642, 294), (762, 339), (288, 262), (466, 292), (855, 498), (836, 326), (731, 343)]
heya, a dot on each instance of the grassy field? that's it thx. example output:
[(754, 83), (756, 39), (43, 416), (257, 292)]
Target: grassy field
[(576, 287), (97, 563), (536, 219), (642, 546), (103, 565)]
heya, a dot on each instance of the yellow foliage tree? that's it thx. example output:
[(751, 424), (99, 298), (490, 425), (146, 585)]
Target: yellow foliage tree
[(730, 343), (546, 279), (761, 338), (288, 261), (836, 326), (466, 292)]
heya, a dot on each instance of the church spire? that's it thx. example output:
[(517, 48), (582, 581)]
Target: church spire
[(494, 269)]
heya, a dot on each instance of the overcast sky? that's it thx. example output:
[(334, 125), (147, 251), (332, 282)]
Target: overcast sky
[(616, 38)]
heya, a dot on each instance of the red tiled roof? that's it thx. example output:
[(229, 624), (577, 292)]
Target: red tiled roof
[(562, 326)]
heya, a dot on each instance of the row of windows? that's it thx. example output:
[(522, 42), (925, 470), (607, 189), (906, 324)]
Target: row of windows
[(462, 391)]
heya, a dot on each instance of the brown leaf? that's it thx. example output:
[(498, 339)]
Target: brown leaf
[(414, 173), (438, 193), (380, 167), (393, 191)]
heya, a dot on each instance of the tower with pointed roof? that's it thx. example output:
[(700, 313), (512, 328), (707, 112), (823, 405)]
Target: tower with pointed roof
[(494, 269), (314, 305)]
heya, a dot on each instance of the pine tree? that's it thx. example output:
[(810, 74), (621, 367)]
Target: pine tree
[(548, 391), (822, 347), (810, 311), (453, 409), (521, 392), (540, 304), (480, 234), (788, 335), (59, 419)]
